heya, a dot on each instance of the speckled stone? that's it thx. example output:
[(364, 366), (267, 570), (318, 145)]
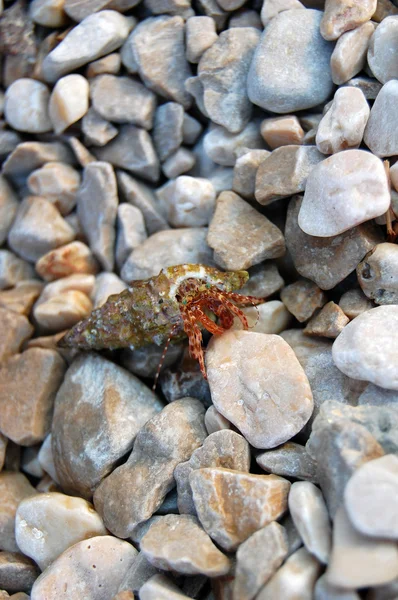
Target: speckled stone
[(14, 487), (349, 55), (288, 460), (329, 322), (14, 331), (58, 183), (26, 106), (381, 133), (302, 298), (382, 48), (378, 274), (343, 15)]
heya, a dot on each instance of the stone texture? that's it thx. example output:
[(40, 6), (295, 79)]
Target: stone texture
[(200, 35), (222, 71), (82, 155), (38, 228), (106, 284), (354, 303), (289, 460), (257, 560), (158, 48), (62, 311), (346, 189), (178, 543), (369, 86), (224, 147), (144, 362), (302, 298), (290, 73), (269, 317), (178, 163), (271, 8), (369, 335), (245, 171), (131, 231), (382, 48), (232, 505), (285, 172), (344, 124), (138, 574), (141, 196), (161, 588), (113, 405), (70, 259), (374, 395), (223, 448), (282, 131), (123, 100), (165, 249), (253, 241), (14, 487), (58, 183), (29, 156), (264, 281), (48, 13), (358, 561), (188, 201), (26, 106), (349, 55), (327, 261), (167, 129), (132, 150), (14, 331), (72, 574), (239, 385), (214, 421), (97, 35), (144, 480), (381, 133), (343, 15), (329, 322), (32, 380), (326, 591), (13, 270), (17, 572), (97, 131), (378, 274), (8, 208), (21, 298), (68, 102), (97, 209)]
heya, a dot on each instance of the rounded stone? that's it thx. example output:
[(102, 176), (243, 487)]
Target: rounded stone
[(383, 48), (346, 189), (26, 106), (381, 133), (69, 101), (342, 15), (365, 348), (378, 274)]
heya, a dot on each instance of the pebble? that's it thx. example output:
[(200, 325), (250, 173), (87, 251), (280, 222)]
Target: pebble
[(223, 146), (233, 365), (91, 569), (349, 55), (257, 559), (327, 261), (200, 35), (97, 35), (9, 140), (188, 201), (381, 133), (167, 129), (13, 270), (289, 74), (30, 462), (232, 505), (110, 63), (97, 203), (113, 404), (282, 131), (359, 561), (325, 591), (257, 239), (40, 520), (302, 298), (62, 311), (32, 379), (131, 231), (58, 183), (354, 303), (264, 281), (178, 163), (343, 191), (270, 317), (70, 259), (374, 485), (8, 208), (171, 7), (288, 460), (369, 86), (212, 9), (29, 156), (14, 487), (14, 331), (214, 421), (178, 543), (382, 48), (357, 359), (329, 322), (122, 100), (223, 448), (310, 516), (106, 284), (69, 101), (166, 440), (344, 124), (158, 49), (17, 572), (160, 587), (26, 106), (185, 379), (45, 458), (285, 172), (377, 396), (139, 573), (81, 282), (48, 13), (165, 249), (342, 15), (245, 171), (38, 228), (144, 362), (97, 131), (271, 8), (21, 298), (378, 274), (222, 71), (132, 150), (294, 579)]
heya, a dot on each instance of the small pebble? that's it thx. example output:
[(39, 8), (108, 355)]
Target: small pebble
[(343, 15), (8, 208), (68, 102), (97, 131), (223, 147), (144, 362), (214, 421), (17, 572), (329, 322), (378, 274), (382, 48), (270, 317), (200, 35), (160, 587), (14, 487), (131, 231), (62, 311), (374, 395), (70, 259), (349, 55), (282, 131), (14, 331), (289, 460), (271, 8), (369, 86), (110, 63), (167, 129), (264, 281), (26, 106), (21, 298), (381, 133), (354, 303), (245, 171), (106, 284), (139, 573), (178, 163), (325, 591), (302, 298), (29, 156), (188, 201), (13, 270), (48, 13), (58, 183)]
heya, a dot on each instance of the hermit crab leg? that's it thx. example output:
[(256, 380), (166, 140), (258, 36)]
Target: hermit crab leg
[(166, 347), (207, 323), (194, 338)]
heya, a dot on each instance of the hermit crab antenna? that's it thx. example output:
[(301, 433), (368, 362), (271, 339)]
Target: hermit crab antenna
[(172, 332)]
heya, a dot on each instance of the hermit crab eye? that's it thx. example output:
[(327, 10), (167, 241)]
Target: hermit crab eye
[(161, 301), (208, 285)]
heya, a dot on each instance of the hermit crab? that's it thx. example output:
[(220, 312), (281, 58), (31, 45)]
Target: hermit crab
[(177, 302)]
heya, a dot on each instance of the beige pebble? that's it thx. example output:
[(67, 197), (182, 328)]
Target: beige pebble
[(160, 587), (381, 133), (288, 460), (270, 317), (282, 131), (382, 49), (58, 183), (80, 282), (13, 270), (14, 487), (188, 201), (62, 311), (180, 162), (69, 101), (110, 63), (26, 106), (343, 15), (214, 421), (245, 171), (378, 274), (17, 573), (329, 322), (49, 13), (67, 260), (302, 298), (232, 505), (106, 284), (354, 303), (349, 55), (14, 331), (271, 8), (201, 34)]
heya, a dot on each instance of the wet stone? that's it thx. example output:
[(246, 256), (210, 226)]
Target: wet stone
[(113, 404), (382, 48), (381, 133), (144, 480), (214, 421), (303, 80), (349, 55), (245, 171), (188, 201), (232, 505), (282, 131), (131, 231), (223, 448), (378, 274), (178, 163), (285, 172), (178, 543), (343, 15), (32, 379), (223, 147), (14, 487), (200, 35), (13, 270), (167, 129), (17, 572), (70, 259), (26, 106), (110, 63), (257, 560), (97, 131), (255, 240), (95, 36), (329, 322), (289, 460), (14, 331), (29, 156), (68, 102), (97, 209), (58, 183), (302, 298), (122, 100)]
